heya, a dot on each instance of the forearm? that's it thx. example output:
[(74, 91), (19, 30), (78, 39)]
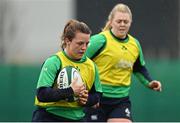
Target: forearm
[(144, 72), (48, 94), (141, 72), (93, 98)]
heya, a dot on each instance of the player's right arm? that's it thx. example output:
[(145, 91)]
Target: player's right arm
[(95, 46), (45, 91)]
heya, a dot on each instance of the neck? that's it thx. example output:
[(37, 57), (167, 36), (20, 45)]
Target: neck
[(120, 38), (69, 56)]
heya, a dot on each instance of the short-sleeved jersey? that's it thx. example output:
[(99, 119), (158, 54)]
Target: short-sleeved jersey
[(115, 60), (48, 75)]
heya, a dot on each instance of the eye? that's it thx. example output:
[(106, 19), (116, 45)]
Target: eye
[(118, 21), (80, 43), (126, 21), (87, 43)]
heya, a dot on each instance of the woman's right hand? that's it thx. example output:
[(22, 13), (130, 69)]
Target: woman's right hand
[(77, 86)]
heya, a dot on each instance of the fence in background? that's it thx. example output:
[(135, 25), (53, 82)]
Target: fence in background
[(18, 85)]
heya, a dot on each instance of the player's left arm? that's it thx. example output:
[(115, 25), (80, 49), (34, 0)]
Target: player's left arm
[(141, 72), (95, 93)]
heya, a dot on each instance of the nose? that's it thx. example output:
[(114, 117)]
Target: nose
[(122, 23), (84, 46)]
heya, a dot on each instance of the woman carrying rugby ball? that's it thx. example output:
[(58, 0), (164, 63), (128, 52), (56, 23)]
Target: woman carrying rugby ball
[(58, 100)]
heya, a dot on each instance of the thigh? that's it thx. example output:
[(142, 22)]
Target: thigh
[(94, 115), (121, 110), (40, 115)]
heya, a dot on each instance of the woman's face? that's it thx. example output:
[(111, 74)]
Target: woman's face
[(76, 48), (120, 24)]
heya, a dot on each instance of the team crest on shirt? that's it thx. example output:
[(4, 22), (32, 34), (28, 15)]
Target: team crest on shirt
[(124, 64)]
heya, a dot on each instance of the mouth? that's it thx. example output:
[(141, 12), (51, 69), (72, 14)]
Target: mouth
[(81, 53), (122, 30)]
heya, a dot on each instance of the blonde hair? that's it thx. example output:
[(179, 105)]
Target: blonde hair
[(118, 8), (70, 30)]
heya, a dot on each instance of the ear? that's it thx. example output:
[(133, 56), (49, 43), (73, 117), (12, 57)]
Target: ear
[(110, 22), (67, 41)]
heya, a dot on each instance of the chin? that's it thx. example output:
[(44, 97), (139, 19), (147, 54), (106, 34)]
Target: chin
[(122, 34), (79, 57)]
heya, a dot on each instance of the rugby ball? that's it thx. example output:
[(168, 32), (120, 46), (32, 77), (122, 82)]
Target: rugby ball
[(66, 75)]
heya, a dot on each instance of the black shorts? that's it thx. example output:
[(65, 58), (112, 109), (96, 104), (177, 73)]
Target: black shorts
[(41, 115), (110, 108)]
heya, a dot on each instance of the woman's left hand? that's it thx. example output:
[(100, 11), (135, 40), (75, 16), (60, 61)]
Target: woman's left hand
[(83, 97), (155, 85)]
